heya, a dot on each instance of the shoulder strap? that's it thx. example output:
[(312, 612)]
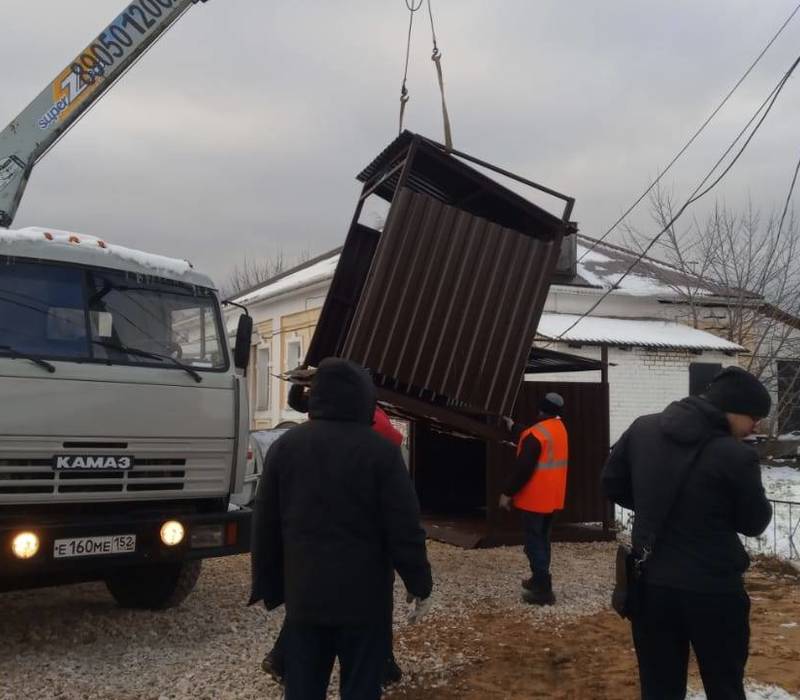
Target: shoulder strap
[(656, 532)]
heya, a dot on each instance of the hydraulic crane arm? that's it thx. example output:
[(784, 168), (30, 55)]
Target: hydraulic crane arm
[(75, 89)]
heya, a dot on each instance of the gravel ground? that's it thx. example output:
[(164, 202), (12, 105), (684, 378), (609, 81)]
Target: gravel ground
[(74, 643)]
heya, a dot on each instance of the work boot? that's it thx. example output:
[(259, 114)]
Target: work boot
[(541, 593), (527, 583), (273, 669)]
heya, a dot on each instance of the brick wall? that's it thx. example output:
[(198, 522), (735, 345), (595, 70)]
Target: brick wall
[(640, 380)]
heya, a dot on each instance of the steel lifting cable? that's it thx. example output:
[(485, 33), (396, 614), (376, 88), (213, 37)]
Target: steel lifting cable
[(436, 57), (404, 96)]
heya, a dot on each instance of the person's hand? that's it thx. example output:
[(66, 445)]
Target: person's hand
[(421, 607), (508, 423), (505, 502)]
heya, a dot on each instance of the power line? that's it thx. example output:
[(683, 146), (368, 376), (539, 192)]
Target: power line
[(698, 192), (694, 136), (788, 197)]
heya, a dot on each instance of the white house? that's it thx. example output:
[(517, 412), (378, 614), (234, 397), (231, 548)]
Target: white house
[(655, 356)]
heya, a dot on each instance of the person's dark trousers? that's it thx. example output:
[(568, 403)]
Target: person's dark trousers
[(537, 528), (311, 650), (278, 656), (717, 627), (278, 652)]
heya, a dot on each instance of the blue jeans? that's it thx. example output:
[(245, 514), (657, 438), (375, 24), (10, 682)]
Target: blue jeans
[(537, 527)]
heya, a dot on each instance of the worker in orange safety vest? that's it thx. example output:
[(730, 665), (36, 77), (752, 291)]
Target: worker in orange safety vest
[(537, 487)]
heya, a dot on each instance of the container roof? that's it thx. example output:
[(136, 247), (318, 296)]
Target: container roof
[(446, 176)]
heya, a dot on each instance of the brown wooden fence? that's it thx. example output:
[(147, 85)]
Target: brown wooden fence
[(459, 481)]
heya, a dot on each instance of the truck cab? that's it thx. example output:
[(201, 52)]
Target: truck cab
[(124, 426)]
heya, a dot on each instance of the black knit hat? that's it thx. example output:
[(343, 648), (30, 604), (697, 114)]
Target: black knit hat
[(551, 404), (735, 391)]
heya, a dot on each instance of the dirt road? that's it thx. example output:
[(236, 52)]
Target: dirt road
[(480, 641), (592, 658)]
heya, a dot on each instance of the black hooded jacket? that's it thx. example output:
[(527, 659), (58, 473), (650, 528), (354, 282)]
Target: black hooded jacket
[(698, 548), (336, 512)]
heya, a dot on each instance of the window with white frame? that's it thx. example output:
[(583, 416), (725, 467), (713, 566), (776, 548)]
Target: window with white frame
[(294, 355), (263, 376), (294, 351)]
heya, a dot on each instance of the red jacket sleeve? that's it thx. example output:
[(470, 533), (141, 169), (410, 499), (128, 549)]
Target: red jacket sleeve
[(383, 426)]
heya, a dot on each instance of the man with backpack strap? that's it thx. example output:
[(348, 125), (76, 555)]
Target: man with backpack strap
[(694, 487)]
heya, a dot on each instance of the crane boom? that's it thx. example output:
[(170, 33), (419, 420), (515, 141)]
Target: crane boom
[(75, 89)]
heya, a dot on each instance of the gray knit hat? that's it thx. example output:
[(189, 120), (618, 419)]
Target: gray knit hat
[(551, 404)]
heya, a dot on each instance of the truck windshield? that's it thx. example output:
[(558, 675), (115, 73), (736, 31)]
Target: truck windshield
[(60, 312)]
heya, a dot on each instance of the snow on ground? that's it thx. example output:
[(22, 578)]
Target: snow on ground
[(782, 536), (754, 691), (781, 483)]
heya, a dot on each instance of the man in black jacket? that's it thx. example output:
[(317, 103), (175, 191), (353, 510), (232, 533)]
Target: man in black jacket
[(335, 514), (693, 485)]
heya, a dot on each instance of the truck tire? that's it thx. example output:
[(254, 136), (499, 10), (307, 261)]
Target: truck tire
[(154, 587)]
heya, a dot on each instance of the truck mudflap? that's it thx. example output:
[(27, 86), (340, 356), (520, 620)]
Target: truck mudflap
[(85, 549)]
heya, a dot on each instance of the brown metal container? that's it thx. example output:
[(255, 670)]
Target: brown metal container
[(442, 304)]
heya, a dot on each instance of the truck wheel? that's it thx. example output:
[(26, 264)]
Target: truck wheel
[(154, 587)]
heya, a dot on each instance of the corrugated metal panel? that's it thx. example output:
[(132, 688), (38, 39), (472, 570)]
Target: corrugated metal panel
[(344, 293), (442, 305), (451, 304)]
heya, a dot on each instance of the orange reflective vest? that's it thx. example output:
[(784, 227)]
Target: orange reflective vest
[(546, 490)]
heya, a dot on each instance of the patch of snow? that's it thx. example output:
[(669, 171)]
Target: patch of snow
[(318, 272), (50, 238), (753, 691), (789, 624), (781, 483), (587, 255), (639, 285), (782, 536), (591, 268), (618, 331)]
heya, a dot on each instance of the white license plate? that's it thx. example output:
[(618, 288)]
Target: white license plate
[(94, 546)]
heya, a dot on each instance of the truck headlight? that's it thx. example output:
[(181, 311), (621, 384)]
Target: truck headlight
[(172, 533), (25, 545)]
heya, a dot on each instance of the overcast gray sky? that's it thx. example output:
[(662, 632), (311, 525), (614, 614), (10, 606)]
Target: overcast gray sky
[(241, 132)]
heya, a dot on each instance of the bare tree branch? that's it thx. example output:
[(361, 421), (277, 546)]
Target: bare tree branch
[(740, 280), (252, 272)]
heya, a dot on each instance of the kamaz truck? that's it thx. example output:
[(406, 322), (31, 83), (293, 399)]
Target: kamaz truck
[(123, 413)]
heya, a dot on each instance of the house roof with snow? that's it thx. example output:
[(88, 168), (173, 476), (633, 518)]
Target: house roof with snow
[(601, 264), (647, 333), (317, 269)]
